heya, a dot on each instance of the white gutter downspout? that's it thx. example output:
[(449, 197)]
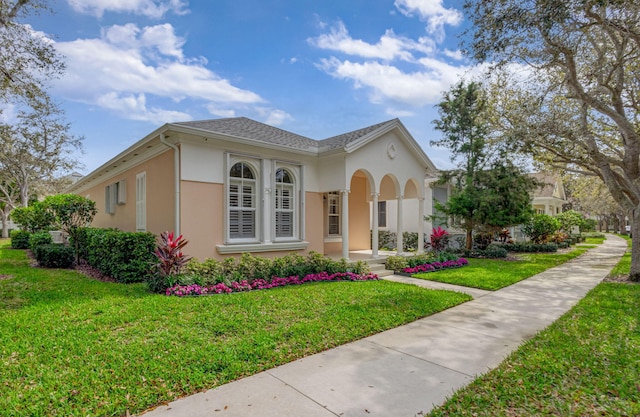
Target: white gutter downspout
[(176, 175)]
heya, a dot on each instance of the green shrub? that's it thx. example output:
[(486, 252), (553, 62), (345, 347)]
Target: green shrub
[(589, 225), (578, 238), (250, 268), (529, 247), (495, 252), (397, 263), (421, 259), (39, 238), (20, 239), (409, 241), (387, 240), (210, 270), (33, 218), (540, 228), (54, 256), (446, 256), (124, 256), (482, 240)]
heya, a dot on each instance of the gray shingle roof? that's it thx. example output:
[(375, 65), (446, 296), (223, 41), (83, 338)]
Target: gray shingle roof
[(246, 128), (344, 139), (250, 129)]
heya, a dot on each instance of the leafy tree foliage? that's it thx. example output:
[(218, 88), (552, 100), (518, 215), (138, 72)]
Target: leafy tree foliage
[(575, 101), (70, 212), (33, 218), (568, 219), (488, 191), (27, 59), (36, 147), (540, 228)]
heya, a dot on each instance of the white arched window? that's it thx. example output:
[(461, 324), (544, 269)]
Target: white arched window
[(242, 202), (285, 204)]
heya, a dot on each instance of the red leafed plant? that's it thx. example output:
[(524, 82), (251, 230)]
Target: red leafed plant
[(169, 254), (439, 239)]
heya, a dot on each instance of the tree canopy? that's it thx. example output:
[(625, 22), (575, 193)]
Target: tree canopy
[(488, 191), (570, 95), (36, 147)]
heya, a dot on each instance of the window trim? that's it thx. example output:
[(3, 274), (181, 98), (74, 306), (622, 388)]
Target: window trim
[(296, 203), (255, 167), (334, 195)]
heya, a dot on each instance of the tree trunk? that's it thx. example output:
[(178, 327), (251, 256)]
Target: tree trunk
[(5, 223), (634, 272), (469, 241)]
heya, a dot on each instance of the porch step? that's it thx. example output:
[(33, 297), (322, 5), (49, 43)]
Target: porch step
[(378, 269)]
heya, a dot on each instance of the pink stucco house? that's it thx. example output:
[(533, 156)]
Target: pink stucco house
[(236, 185)]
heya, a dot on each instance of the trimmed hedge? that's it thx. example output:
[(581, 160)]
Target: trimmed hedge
[(529, 247), (40, 238), (54, 255), (20, 239), (493, 251), (124, 256)]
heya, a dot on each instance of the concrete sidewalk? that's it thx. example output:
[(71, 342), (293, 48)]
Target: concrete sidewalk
[(407, 370)]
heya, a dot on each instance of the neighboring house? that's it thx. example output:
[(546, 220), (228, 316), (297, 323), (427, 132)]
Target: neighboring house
[(236, 185), (549, 198)]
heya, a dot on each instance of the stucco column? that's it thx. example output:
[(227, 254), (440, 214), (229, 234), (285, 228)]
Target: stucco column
[(400, 225), (345, 223), (374, 229), (420, 225)]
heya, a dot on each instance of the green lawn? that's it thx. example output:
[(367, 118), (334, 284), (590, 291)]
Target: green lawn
[(493, 274), (625, 263), (586, 364), (73, 346)]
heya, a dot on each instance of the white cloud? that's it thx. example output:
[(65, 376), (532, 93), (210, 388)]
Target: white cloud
[(128, 62), (457, 54), (273, 117), (213, 109), (432, 12), (399, 113), (149, 8), (388, 82), (135, 108), (389, 47)]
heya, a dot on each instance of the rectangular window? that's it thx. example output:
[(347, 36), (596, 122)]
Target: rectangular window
[(382, 214), (141, 202), (333, 211)]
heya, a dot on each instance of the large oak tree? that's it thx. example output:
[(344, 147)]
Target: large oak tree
[(576, 101), (35, 145)]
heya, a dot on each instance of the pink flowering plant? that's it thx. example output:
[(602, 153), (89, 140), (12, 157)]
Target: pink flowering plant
[(436, 266), (439, 239), (262, 284), (169, 253)]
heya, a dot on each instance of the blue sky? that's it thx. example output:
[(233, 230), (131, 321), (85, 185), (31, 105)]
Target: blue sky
[(316, 68)]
